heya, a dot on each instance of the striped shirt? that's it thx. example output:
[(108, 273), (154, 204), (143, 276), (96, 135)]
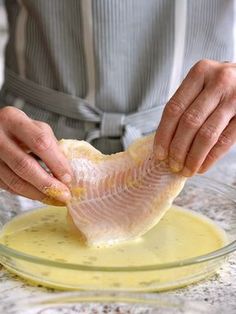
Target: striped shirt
[(102, 70)]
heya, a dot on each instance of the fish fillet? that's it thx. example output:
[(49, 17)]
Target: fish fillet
[(120, 196)]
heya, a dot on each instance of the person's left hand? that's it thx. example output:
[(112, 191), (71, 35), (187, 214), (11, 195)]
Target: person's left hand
[(198, 125)]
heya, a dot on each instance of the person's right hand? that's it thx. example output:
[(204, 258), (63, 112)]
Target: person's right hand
[(20, 173)]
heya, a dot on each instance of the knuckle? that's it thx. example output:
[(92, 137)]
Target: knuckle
[(174, 107), (192, 119), (220, 114), (6, 113), (208, 133), (225, 139), (201, 67), (212, 156), (12, 115), (41, 142), (176, 151), (44, 126), (23, 166), (225, 76), (16, 184), (60, 170)]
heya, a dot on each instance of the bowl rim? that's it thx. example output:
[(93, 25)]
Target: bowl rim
[(154, 300), (228, 190)]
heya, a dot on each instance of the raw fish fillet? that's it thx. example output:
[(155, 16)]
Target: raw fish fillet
[(120, 196)]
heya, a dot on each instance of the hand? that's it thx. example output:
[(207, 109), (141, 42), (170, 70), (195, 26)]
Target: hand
[(198, 125), (20, 173)]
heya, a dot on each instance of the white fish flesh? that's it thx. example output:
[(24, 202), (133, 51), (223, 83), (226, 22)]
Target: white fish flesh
[(121, 196)]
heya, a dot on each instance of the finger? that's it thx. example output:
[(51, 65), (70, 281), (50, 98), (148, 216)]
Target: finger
[(26, 167), (22, 146), (54, 159), (18, 185), (40, 139), (189, 124), (52, 201), (226, 140), (206, 138), (45, 200), (5, 187), (188, 91)]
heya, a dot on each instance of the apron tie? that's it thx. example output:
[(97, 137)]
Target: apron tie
[(114, 125), (128, 127)]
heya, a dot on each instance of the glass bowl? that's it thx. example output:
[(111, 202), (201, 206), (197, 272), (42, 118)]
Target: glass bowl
[(108, 302), (201, 194)]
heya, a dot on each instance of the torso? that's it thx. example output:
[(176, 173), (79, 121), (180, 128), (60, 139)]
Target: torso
[(118, 56)]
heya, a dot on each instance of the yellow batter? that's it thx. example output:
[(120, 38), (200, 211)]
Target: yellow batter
[(45, 233)]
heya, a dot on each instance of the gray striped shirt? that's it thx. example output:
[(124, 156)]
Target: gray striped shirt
[(101, 70)]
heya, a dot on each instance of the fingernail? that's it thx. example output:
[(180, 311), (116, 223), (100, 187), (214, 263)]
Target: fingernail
[(160, 152), (58, 194), (65, 196), (175, 166), (66, 178), (186, 172)]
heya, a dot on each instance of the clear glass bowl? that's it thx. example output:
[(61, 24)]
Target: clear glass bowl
[(203, 195), (108, 302)]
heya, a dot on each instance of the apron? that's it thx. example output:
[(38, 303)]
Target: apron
[(102, 70)]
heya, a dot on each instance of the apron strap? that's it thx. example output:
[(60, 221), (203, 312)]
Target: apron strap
[(126, 126)]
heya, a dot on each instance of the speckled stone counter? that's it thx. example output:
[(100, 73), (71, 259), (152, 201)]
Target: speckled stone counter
[(218, 293)]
